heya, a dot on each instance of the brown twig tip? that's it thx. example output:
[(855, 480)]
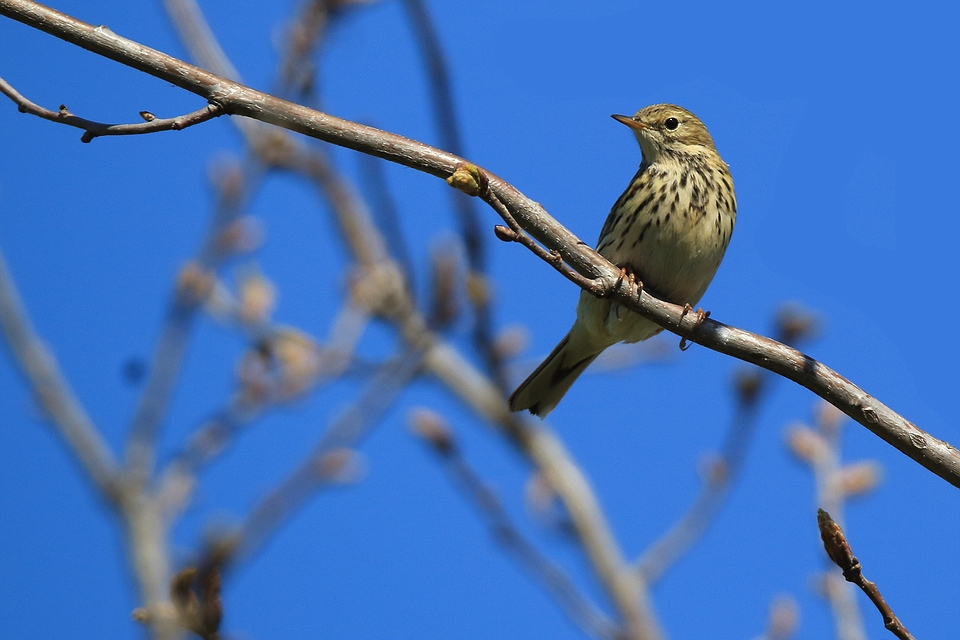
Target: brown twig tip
[(837, 547), (505, 233), (195, 594), (748, 383), (147, 116), (835, 543), (469, 179), (430, 426), (795, 323)]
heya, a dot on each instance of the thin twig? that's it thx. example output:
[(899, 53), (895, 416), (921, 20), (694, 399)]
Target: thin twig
[(449, 132), (671, 546), (190, 291), (93, 129), (515, 233), (936, 455), (53, 392), (793, 325), (581, 610), (549, 456), (836, 545), (344, 433), (386, 215)]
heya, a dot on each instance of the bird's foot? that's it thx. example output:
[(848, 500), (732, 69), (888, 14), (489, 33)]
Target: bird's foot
[(701, 317), (634, 285)]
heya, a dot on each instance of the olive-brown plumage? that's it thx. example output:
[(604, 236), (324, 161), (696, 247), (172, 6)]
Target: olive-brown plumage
[(670, 229)]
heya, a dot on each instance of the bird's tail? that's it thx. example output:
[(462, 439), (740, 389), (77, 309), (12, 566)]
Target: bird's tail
[(545, 387)]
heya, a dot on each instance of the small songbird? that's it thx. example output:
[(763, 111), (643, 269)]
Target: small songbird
[(667, 232)]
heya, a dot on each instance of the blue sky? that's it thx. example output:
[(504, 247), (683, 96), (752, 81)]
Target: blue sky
[(838, 122)]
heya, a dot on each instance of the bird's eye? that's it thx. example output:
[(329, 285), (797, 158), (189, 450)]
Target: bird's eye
[(671, 124)]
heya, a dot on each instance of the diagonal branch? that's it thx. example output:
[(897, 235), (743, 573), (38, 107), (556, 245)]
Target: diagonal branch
[(838, 548), (434, 430), (793, 325), (449, 132), (320, 466), (936, 455), (93, 129), (53, 392), (192, 287)]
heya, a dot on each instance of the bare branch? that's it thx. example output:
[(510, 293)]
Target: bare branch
[(435, 432), (344, 433), (446, 117), (836, 545), (547, 453), (258, 389), (53, 392), (936, 455), (820, 449), (752, 386), (92, 129), (193, 286)]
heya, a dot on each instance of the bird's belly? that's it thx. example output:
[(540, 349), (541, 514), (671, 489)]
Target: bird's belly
[(676, 261)]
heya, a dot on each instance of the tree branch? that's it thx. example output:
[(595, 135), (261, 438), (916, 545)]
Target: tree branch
[(449, 133), (436, 433), (836, 545), (936, 455), (752, 386), (92, 129), (318, 468), (53, 392)]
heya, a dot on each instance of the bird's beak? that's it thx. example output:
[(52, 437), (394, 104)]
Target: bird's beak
[(630, 122)]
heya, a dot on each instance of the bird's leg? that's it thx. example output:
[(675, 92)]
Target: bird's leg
[(701, 317)]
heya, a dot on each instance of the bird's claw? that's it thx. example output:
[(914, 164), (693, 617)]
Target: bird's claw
[(701, 317), (634, 286)]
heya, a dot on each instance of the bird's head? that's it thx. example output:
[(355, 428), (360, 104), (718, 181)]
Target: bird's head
[(667, 127)]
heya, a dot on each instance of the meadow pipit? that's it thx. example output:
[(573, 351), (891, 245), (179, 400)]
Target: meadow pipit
[(669, 231)]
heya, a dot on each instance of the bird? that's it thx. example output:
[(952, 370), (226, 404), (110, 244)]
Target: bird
[(667, 232)]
